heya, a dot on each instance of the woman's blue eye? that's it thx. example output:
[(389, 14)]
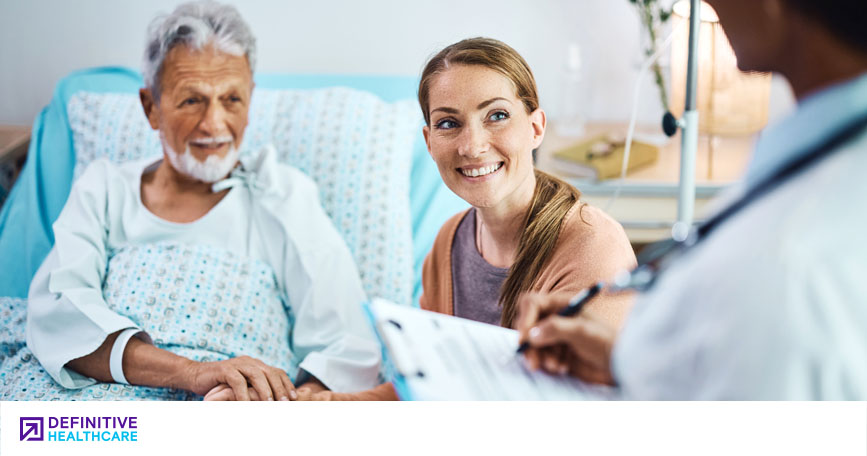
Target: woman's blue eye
[(499, 115), (446, 124)]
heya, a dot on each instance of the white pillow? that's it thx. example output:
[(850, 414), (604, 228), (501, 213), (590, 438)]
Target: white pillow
[(356, 147)]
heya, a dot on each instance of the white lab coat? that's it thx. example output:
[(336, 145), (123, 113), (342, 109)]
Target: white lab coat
[(773, 305)]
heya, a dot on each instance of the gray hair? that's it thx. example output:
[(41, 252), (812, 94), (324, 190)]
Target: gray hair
[(195, 24)]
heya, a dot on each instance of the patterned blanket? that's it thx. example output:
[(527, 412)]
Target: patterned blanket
[(200, 302)]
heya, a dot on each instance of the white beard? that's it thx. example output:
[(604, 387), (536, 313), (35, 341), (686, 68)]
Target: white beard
[(213, 169)]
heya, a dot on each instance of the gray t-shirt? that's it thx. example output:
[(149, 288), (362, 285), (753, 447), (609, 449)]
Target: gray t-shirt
[(476, 283)]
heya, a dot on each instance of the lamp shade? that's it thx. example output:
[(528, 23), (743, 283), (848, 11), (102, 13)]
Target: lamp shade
[(730, 102)]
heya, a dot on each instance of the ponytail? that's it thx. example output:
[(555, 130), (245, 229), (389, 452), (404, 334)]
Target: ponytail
[(552, 200)]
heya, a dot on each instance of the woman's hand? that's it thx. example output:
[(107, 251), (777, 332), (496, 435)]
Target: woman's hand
[(242, 378), (222, 392), (580, 346), (314, 390), (383, 392)]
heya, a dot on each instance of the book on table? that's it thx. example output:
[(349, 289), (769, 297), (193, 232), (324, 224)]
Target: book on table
[(601, 157)]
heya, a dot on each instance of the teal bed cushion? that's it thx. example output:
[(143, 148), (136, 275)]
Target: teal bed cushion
[(43, 186)]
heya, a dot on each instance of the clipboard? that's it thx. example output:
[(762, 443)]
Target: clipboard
[(434, 356)]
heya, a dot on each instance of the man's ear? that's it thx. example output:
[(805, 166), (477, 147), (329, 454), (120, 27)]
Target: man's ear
[(538, 123), (149, 106), (426, 132)]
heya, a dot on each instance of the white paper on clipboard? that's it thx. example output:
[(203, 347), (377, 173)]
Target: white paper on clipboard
[(440, 357)]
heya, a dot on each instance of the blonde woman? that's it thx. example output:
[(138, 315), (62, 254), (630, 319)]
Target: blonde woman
[(526, 230)]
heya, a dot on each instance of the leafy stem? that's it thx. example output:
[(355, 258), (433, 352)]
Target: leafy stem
[(653, 17)]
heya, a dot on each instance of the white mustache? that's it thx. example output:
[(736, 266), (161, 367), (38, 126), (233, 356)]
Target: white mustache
[(213, 169), (216, 140)]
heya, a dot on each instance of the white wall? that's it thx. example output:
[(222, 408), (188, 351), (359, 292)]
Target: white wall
[(43, 40)]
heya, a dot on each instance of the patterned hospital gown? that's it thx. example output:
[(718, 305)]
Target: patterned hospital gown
[(264, 274)]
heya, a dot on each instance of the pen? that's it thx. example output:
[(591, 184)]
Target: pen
[(574, 307)]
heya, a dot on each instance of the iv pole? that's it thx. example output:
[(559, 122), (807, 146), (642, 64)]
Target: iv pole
[(689, 126)]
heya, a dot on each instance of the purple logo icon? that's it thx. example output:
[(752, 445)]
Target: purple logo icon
[(31, 428)]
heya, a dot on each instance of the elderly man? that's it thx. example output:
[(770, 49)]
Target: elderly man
[(771, 303), (192, 272)]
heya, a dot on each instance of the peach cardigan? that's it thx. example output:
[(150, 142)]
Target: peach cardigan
[(591, 246)]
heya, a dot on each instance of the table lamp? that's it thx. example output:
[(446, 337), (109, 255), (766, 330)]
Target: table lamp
[(730, 102)]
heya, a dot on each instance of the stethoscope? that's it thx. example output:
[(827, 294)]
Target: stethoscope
[(655, 258)]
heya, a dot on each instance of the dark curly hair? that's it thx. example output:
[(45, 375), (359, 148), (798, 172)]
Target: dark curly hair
[(845, 19)]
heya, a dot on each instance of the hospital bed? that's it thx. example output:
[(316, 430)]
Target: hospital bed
[(94, 113)]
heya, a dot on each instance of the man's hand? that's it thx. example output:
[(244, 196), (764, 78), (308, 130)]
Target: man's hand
[(313, 390), (580, 346), (242, 378)]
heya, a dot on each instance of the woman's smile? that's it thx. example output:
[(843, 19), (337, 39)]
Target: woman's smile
[(480, 173)]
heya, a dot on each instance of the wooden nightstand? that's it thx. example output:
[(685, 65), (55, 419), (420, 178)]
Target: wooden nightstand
[(14, 141), (647, 206)]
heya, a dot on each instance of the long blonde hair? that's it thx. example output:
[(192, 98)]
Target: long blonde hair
[(552, 198)]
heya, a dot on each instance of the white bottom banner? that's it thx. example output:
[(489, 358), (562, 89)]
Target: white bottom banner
[(438, 428)]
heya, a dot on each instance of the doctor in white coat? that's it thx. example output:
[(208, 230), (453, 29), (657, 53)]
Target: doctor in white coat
[(772, 304)]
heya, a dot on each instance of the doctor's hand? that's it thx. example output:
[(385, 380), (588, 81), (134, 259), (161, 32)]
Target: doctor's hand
[(242, 378), (580, 346)]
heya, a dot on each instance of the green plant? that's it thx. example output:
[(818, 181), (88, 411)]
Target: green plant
[(653, 17)]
